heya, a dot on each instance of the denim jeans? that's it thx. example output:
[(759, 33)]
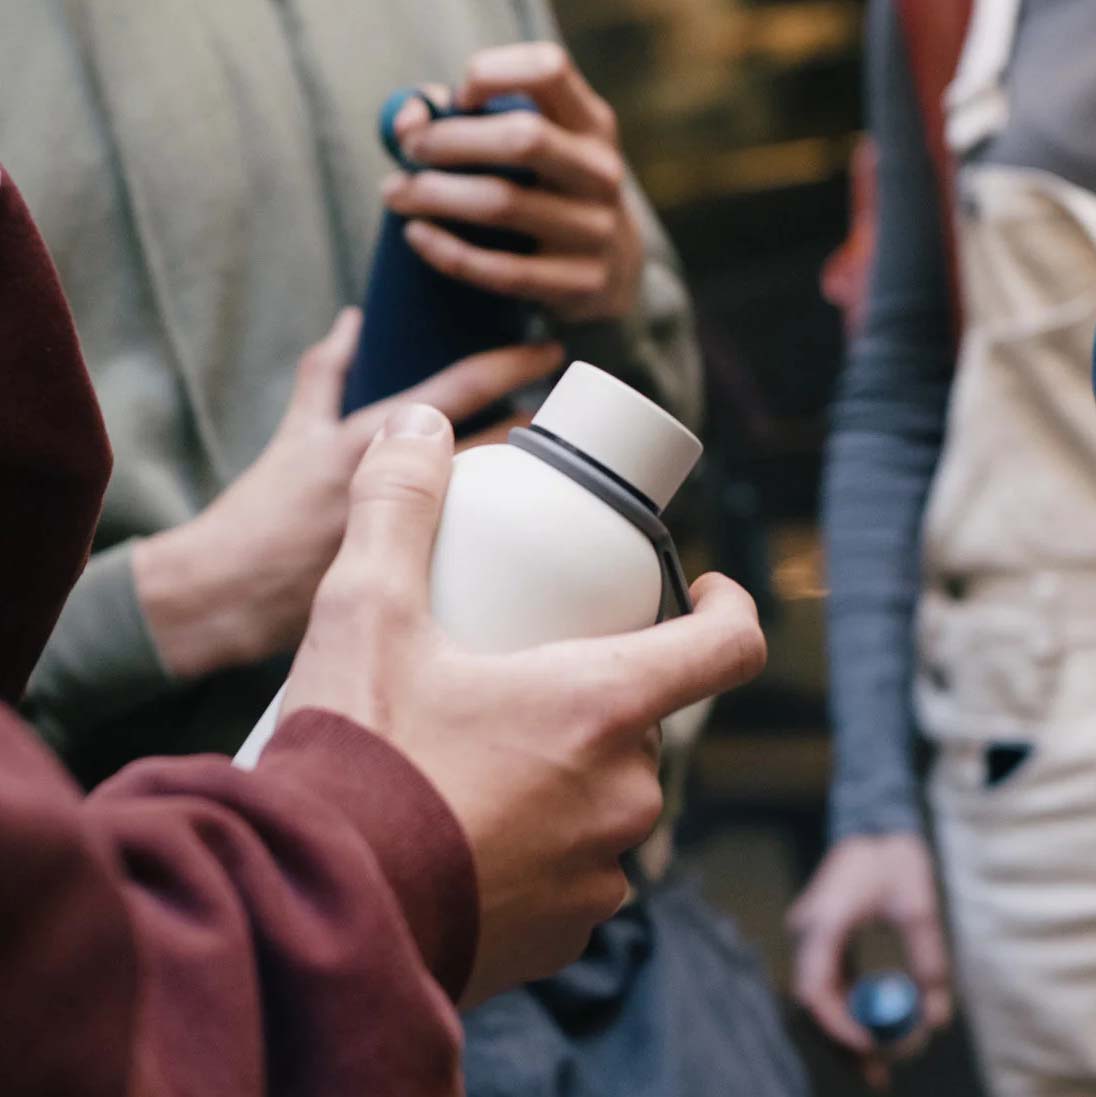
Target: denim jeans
[(666, 1002)]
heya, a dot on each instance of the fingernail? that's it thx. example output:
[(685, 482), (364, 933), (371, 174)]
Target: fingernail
[(392, 185), (414, 421)]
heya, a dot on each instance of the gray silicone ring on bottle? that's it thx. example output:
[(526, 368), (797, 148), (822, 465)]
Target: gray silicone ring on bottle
[(617, 493)]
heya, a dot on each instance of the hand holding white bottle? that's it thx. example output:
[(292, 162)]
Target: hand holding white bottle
[(541, 754)]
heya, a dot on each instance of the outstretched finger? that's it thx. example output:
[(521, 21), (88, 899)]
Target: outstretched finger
[(650, 674), (465, 388)]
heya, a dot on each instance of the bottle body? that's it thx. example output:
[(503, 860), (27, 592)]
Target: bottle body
[(397, 349), (526, 556)]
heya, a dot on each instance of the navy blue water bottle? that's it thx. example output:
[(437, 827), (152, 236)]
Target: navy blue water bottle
[(417, 321)]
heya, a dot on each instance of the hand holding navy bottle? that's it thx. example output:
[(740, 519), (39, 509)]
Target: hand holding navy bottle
[(511, 202), (589, 255)]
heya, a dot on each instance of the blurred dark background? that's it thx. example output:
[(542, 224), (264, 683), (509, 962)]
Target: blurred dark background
[(739, 116)]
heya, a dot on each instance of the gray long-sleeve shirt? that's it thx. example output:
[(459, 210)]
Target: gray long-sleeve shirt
[(889, 418)]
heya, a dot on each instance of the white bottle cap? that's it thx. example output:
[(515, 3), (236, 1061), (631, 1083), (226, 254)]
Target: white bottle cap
[(622, 430)]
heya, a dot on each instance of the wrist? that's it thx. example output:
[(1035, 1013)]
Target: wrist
[(193, 602)]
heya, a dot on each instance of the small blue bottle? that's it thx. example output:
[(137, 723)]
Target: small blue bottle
[(888, 1005), (417, 321)]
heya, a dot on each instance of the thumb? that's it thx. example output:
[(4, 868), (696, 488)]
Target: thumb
[(396, 498)]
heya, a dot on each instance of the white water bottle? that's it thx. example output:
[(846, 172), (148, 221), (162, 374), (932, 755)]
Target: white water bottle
[(555, 535)]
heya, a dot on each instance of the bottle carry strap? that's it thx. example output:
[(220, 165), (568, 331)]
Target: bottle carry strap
[(500, 104), (622, 497), (387, 122)]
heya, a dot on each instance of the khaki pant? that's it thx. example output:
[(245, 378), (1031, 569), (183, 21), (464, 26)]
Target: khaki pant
[(1019, 855)]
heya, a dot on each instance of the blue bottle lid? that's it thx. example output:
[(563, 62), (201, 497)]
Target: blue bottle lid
[(888, 1005)]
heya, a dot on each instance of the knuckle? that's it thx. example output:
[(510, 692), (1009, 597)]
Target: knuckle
[(474, 69), (605, 120), (526, 135), (606, 897), (603, 225), (313, 361), (823, 929), (569, 941), (338, 596), (798, 919), (511, 278), (584, 735), (740, 646), (423, 188), (552, 62), (375, 594), (812, 1000), (613, 173), (399, 486), (637, 813), (648, 811), (448, 256), (396, 476), (805, 994), (615, 709), (501, 201), (753, 651), (597, 279), (915, 914), (383, 613), (456, 263)]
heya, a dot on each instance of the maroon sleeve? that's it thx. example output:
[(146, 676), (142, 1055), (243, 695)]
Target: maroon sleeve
[(54, 455), (192, 928)]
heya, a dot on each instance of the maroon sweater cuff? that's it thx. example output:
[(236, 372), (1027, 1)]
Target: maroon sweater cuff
[(418, 842)]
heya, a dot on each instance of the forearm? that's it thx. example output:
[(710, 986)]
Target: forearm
[(875, 487), (224, 932), (888, 429)]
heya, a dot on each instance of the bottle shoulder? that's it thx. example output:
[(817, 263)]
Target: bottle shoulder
[(507, 486), (524, 555)]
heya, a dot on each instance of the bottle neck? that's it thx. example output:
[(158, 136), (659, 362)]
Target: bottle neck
[(592, 462), (617, 493)]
